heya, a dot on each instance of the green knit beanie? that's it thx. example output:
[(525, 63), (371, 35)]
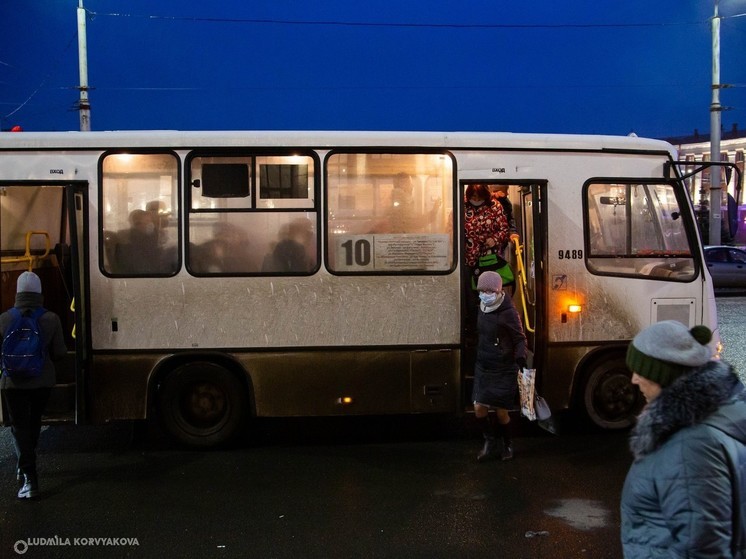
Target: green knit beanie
[(663, 351)]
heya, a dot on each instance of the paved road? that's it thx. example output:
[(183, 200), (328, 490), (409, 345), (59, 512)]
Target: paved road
[(392, 487), (732, 320), (325, 488)]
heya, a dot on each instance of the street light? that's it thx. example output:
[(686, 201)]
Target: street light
[(83, 104), (715, 110)]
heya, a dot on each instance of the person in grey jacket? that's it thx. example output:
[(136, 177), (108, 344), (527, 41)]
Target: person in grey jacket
[(685, 493), (501, 349), (26, 398)]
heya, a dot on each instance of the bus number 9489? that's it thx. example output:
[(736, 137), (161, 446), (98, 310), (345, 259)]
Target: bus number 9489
[(570, 254)]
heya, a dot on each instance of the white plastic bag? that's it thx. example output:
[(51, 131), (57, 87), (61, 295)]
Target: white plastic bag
[(527, 392)]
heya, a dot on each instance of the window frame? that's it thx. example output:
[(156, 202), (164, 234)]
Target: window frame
[(689, 228), (176, 215), (450, 228), (255, 207)]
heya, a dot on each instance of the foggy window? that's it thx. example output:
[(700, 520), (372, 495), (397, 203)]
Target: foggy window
[(390, 212), (140, 208)]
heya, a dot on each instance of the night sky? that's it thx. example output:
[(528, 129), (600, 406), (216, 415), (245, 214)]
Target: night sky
[(550, 66)]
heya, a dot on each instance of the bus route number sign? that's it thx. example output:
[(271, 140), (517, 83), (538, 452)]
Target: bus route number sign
[(391, 253)]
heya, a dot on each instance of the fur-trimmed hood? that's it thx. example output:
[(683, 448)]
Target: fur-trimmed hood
[(689, 400)]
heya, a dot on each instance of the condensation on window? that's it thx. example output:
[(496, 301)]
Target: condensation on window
[(389, 212), (139, 214)]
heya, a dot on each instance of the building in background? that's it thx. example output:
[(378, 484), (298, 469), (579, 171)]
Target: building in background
[(696, 148)]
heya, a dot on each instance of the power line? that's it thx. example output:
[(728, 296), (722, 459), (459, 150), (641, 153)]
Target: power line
[(339, 23)]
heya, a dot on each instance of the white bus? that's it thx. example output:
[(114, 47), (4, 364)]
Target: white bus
[(212, 277)]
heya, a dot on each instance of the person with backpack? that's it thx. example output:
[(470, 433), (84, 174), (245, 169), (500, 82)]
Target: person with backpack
[(32, 339)]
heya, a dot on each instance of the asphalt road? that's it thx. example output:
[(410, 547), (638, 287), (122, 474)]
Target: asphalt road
[(386, 487)]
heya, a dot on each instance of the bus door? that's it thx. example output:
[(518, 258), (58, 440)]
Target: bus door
[(43, 230), (526, 263)]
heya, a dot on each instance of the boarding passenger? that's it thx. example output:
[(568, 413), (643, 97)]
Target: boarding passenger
[(26, 397)]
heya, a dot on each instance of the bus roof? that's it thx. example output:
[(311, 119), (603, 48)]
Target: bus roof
[(326, 138)]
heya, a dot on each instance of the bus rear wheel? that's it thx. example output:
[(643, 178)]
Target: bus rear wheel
[(202, 404), (611, 400)]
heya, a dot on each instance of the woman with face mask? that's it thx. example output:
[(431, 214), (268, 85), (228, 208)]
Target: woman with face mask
[(485, 224), (501, 350)]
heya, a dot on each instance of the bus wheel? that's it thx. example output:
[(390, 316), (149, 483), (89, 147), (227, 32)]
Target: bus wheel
[(202, 404), (611, 400)]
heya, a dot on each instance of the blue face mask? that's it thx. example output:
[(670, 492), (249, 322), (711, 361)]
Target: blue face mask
[(487, 298)]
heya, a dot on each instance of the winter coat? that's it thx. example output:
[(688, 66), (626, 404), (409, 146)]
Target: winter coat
[(501, 342), (51, 332), (481, 223), (686, 489)]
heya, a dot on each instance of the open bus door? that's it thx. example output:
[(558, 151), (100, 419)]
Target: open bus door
[(526, 262), (43, 226)]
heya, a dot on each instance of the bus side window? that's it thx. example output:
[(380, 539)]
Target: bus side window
[(390, 212), (636, 229), (139, 233)]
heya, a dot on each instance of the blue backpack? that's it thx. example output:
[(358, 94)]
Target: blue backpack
[(23, 351)]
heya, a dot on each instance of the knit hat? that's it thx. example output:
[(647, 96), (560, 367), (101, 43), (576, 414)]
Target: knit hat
[(490, 281), (28, 282), (665, 350)]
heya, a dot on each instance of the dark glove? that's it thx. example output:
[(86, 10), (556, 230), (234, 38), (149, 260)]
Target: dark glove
[(521, 362)]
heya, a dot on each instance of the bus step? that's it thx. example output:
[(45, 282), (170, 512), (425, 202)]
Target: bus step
[(62, 399)]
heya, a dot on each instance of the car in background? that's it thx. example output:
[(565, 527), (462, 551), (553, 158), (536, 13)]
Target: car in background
[(727, 266)]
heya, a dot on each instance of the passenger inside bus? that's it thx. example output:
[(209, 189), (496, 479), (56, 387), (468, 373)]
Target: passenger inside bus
[(137, 250), (499, 194), (295, 251), (228, 251), (404, 217)]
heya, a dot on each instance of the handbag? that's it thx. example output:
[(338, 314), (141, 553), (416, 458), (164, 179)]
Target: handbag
[(493, 262), (533, 406)]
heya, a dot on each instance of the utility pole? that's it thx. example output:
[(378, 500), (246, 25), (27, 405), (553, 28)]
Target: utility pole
[(715, 110), (83, 105)]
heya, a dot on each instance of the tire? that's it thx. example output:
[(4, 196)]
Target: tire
[(611, 400), (202, 404)]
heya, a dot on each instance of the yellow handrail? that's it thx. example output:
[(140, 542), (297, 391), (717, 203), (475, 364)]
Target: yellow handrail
[(72, 308), (522, 285), (28, 257)]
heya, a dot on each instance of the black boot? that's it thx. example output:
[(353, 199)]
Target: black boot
[(490, 447), (489, 450), (507, 450), (30, 488)]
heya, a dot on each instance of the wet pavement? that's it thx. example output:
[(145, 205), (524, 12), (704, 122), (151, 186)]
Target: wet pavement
[(391, 487)]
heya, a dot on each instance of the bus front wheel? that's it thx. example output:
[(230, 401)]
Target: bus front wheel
[(202, 404), (611, 400)]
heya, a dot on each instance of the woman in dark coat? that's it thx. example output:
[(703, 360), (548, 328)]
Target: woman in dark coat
[(684, 495), (501, 350)]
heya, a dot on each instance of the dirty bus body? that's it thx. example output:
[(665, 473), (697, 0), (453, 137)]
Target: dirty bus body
[(219, 276)]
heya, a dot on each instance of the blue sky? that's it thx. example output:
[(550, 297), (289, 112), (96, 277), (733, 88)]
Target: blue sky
[(554, 66)]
